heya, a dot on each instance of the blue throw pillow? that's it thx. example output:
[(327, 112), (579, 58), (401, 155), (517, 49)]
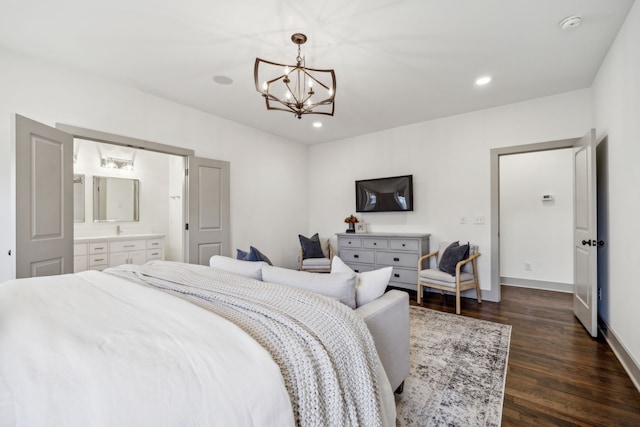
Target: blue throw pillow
[(452, 256), (241, 255), (311, 247), (256, 255)]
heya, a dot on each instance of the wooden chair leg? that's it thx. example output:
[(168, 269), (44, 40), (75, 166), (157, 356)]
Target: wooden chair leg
[(419, 296), (479, 293), (457, 302)]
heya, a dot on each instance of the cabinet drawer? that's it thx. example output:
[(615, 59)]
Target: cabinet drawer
[(361, 268), (374, 243), (403, 245), (347, 242), (404, 276), (98, 259), (98, 248), (155, 244), (127, 245), (79, 263), (357, 256), (397, 259), (154, 254), (80, 249)]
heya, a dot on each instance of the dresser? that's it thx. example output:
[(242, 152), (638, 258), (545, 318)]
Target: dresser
[(370, 251), (98, 253)]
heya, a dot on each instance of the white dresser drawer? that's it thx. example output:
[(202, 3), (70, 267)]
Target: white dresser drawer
[(379, 244), (155, 243), (80, 263), (358, 256), (350, 242), (98, 260), (398, 259), (98, 248), (361, 268), (154, 254), (127, 245), (404, 275), (404, 245)]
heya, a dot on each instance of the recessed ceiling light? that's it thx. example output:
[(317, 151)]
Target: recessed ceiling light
[(317, 124), (223, 80), (481, 81), (570, 22)]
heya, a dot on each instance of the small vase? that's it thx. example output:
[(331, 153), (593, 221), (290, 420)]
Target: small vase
[(352, 228)]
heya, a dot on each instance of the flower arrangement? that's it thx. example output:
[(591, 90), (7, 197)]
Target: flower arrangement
[(351, 219)]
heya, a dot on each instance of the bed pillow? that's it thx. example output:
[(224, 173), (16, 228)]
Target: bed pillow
[(240, 254), (311, 247), (249, 269), (370, 285), (452, 256), (340, 286)]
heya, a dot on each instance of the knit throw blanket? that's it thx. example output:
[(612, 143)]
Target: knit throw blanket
[(324, 350)]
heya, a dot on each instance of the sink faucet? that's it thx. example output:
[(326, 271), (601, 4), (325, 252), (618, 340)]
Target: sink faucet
[(118, 230)]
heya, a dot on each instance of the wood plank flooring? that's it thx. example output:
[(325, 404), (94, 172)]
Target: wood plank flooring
[(557, 374)]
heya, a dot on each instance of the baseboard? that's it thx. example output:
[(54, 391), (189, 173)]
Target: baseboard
[(537, 284), (626, 360)]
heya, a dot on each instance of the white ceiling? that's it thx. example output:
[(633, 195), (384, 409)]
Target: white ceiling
[(396, 61)]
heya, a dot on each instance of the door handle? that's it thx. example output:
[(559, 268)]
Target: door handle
[(593, 243)]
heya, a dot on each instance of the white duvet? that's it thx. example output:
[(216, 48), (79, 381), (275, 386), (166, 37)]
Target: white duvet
[(149, 359)]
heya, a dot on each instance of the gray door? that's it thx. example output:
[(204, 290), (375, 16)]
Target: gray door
[(585, 255), (209, 212), (44, 199)]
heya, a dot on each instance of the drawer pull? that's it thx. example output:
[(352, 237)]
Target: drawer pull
[(99, 248), (396, 275), (349, 242), (375, 243), (357, 271), (129, 246), (155, 244), (396, 259), (98, 259), (403, 245), (356, 256), (154, 253)]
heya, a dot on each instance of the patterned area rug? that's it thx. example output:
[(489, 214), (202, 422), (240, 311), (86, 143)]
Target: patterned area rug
[(457, 373)]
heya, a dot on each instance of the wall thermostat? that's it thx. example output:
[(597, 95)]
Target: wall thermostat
[(547, 197)]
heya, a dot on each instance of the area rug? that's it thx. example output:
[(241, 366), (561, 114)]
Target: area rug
[(457, 371)]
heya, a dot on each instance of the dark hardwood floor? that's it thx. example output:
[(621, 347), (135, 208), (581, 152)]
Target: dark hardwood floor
[(557, 374)]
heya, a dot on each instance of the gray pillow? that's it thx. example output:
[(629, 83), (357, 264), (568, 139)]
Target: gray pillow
[(340, 286), (311, 247), (452, 256)]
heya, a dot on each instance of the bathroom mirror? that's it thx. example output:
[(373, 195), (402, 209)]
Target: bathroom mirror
[(78, 198), (115, 199)]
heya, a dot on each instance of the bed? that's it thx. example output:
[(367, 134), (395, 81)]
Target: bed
[(178, 344)]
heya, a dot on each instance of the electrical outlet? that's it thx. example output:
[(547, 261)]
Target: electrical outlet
[(478, 219), (463, 220), (528, 265)]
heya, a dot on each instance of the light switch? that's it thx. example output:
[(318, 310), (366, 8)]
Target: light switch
[(463, 220)]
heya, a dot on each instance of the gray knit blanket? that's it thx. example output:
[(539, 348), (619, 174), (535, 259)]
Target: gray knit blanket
[(324, 350)]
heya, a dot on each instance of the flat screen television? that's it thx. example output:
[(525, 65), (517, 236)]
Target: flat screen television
[(393, 194)]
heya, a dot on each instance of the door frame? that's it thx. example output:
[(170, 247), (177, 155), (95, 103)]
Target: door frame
[(126, 141), (494, 293)]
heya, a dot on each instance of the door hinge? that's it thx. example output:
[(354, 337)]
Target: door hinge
[(186, 172), (186, 226)]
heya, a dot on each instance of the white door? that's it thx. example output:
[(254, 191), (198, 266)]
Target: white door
[(44, 199), (585, 257), (208, 184)]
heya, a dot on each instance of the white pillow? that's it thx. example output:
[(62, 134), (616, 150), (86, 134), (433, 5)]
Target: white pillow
[(339, 286), (251, 269), (370, 285)]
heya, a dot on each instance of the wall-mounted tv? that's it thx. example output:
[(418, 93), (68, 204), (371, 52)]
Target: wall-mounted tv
[(393, 194)]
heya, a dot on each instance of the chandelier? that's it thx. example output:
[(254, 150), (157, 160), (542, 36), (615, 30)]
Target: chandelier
[(295, 88)]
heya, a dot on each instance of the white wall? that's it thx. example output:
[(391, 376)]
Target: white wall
[(268, 174), (450, 162), (616, 106), (531, 230)]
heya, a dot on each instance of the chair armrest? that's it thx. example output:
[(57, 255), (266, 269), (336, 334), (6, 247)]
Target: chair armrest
[(330, 252), (387, 318), (464, 261), (424, 257), (300, 259)]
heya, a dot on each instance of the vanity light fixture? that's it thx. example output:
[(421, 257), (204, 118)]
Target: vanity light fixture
[(112, 163), (295, 88)]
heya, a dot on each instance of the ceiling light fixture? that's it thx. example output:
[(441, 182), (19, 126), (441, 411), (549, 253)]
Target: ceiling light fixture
[(317, 124), (295, 88), (481, 81)]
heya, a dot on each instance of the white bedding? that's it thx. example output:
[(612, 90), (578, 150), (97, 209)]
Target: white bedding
[(150, 359)]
